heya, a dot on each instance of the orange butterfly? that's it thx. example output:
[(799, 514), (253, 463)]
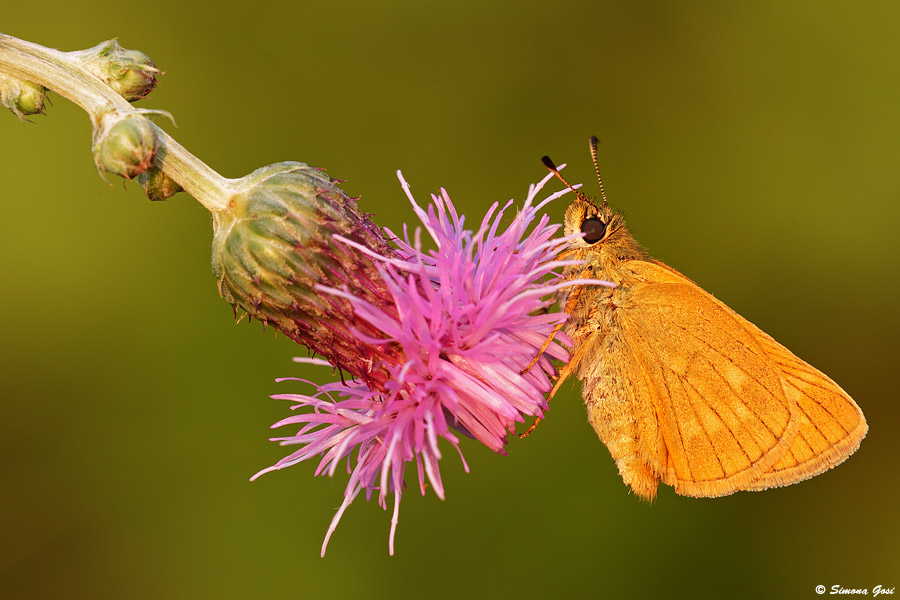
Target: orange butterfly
[(679, 387)]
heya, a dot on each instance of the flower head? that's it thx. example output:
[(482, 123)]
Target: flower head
[(277, 241), (468, 319)]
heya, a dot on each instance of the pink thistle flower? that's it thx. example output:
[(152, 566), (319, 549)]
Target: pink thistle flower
[(468, 319)]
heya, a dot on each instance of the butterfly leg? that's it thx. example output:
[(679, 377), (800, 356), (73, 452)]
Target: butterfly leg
[(543, 348), (564, 374), (570, 306)]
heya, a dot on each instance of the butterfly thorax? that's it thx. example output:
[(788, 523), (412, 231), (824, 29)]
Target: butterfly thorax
[(592, 307)]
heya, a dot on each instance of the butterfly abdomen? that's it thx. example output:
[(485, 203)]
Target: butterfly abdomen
[(623, 419)]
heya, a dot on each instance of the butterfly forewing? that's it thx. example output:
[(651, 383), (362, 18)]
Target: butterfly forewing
[(718, 396)]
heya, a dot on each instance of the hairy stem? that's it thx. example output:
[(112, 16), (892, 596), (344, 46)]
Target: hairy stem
[(64, 74)]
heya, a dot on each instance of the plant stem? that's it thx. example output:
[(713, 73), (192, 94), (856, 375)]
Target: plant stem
[(64, 74)]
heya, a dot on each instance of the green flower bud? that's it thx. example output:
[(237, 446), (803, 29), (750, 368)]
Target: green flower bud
[(127, 147), (21, 97), (158, 185), (131, 73), (277, 244)]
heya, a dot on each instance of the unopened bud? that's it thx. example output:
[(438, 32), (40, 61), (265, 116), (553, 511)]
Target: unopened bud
[(131, 73), (21, 97), (158, 185), (127, 148), (277, 244)]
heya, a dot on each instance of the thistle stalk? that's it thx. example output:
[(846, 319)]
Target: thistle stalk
[(66, 74)]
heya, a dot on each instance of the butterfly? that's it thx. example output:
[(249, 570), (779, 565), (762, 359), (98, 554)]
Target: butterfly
[(680, 388)]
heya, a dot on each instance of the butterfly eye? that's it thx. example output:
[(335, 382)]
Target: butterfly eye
[(593, 230)]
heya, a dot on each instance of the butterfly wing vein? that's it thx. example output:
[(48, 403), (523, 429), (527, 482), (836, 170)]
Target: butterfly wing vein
[(698, 397)]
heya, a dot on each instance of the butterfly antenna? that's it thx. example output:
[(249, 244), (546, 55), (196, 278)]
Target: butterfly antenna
[(594, 142), (552, 167)]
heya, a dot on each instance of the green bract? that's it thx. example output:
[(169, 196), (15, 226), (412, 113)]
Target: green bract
[(277, 243)]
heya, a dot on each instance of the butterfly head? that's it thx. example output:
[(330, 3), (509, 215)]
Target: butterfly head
[(595, 222)]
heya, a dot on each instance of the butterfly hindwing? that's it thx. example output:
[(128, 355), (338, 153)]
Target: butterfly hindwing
[(831, 424)]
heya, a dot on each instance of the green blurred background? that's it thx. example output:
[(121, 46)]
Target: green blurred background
[(753, 147)]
